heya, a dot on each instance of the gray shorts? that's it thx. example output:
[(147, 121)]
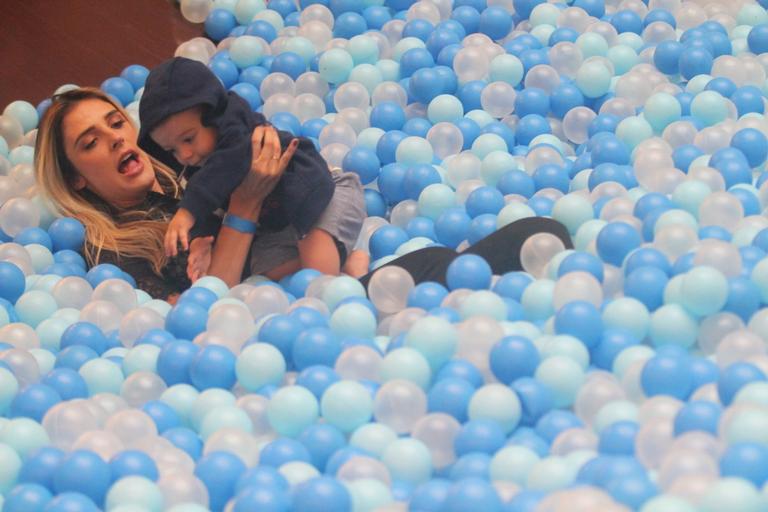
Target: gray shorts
[(342, 219)]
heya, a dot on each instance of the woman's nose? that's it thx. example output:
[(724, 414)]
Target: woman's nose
[(118, 141)]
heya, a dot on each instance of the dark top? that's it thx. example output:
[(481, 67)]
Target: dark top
[(174, 275), (299, 198)]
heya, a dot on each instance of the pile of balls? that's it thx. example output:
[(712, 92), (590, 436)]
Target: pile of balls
[(629, 373)]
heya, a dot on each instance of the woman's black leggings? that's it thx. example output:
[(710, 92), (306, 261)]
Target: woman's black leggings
[(501, 249)]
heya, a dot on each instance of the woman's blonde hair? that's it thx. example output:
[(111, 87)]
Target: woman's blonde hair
[(128, 234)]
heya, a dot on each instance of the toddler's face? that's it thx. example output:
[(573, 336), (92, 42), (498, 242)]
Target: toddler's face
[(184, 135)]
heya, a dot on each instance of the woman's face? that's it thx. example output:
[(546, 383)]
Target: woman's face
[(102, 146)]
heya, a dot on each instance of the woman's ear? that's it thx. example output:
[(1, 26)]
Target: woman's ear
[(78, 182)]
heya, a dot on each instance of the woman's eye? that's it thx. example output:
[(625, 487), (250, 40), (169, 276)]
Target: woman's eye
[(118, 124), (90, 144)]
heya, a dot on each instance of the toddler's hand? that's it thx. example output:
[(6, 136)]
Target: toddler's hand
[(178, 232), (199, 257)]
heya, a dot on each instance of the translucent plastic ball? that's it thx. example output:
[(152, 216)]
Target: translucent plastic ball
[(18, 214), (498, 99), (399, 404), (389, 288), (538, 250)]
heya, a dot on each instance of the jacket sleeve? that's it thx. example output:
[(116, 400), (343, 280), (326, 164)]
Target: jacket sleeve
[(209, 188), (308, 184)]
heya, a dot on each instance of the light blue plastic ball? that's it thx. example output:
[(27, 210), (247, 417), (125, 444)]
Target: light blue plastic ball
[(292, 409), (445, 108), (335, 65), (246, 51), (35, 306), (704, 290), (407, 364), (136, 491), (414, 150), (346, 405), (709, 107), (498, 403), (259, 365), (487, 143), (353, 320), (435, 338)]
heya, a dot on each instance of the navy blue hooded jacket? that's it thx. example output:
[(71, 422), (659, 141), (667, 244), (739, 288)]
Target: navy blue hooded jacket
[(299, 198)]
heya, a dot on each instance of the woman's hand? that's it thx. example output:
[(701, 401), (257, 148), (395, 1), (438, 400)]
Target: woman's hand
[(267, 166)]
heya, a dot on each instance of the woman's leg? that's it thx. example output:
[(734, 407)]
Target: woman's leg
[(501, 249), (428, 264)]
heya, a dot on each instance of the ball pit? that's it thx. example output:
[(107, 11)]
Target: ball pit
[(628, 373)]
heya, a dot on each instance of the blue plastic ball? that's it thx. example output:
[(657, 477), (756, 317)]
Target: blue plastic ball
[(71, 502), (426, 295), (219, 23), (213, 367), (12, 282), (667, 374), (185, 439), (450, 395), (513, 357), (757, 39), (136, 74), (695, 61), (186, 320), (315, 346), (27, 498), (418, 177), (646, 284), (321, 494), (133, 462), (495, 22), (96, 275), (734, 377), (479, 435), (74, 357), (696, 415), (119, 88), (618, 438), (67, 383), (175, 360), (84, 472), (452, 226), (745, 460), (84, 333), (516, 182), (219, 472), (34, 236), (580, 319), (34, 401), (468, 271), (615, 241)]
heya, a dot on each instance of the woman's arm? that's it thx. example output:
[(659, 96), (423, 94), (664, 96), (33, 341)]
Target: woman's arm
[(267, 166)]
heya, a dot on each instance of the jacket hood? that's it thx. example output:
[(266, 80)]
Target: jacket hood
[(176, 85)]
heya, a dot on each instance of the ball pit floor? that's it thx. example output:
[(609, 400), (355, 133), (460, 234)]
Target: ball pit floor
[(628, 373)]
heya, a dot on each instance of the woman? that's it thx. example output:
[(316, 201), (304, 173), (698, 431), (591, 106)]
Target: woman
[(90, 167)]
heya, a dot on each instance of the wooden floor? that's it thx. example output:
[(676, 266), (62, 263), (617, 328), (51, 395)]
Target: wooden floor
[(47, 43)]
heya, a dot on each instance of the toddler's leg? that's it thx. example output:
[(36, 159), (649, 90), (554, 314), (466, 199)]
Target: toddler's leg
[(318, 250), (357, 264)]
